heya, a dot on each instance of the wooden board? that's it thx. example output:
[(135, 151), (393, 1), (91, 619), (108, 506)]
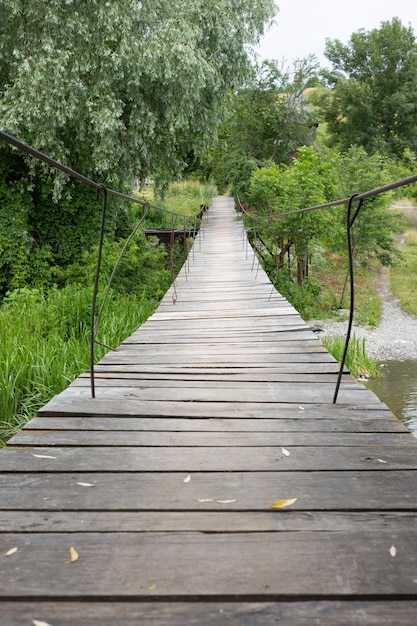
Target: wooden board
[(222, 613)]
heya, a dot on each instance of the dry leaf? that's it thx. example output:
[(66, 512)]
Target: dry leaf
[(205, 500), (74, 556), (187, 480), (382, 461), (152, 587), (281, 504), (285, 452), (37, 622), (43, 456), (226, 501), (393, 551), (11, 551), (86, 484)]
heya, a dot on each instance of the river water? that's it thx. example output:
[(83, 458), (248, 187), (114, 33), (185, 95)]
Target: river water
[(397, 387)]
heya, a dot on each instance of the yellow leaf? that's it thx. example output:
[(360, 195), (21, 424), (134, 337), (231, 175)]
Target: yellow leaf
[(281, 504), (43, 456), (86, 484), (74, 556), (152, 587), (187, 480), (11, 551), (285, 452), (37, 622), (226, 501)]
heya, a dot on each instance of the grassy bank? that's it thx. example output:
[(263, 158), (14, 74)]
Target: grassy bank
[(44, 334), (44, 344)]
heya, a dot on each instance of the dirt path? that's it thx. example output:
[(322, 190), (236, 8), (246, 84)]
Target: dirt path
[(396, 336)]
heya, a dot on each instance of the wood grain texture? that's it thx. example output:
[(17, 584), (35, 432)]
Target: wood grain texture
[(217, 407)]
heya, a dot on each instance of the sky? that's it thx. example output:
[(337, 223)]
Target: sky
[(302, 26)]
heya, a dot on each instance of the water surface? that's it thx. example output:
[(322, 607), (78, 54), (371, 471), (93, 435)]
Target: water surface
[(398, 389)]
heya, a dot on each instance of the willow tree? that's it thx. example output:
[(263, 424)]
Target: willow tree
[(113, 89), (120, 87)]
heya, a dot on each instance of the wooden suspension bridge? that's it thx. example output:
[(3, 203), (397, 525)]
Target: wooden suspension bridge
[(151, 504)]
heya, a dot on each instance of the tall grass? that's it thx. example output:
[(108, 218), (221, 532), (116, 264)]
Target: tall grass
[(357, 361), (403, 275), (44, 345)]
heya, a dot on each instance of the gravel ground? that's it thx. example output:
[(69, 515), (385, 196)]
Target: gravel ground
[(394, 339)]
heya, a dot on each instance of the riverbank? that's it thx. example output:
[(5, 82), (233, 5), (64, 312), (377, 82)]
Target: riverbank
[(395, 339)]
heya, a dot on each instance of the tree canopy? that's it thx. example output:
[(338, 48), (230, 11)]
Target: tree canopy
[(122, 87), (373, 102)]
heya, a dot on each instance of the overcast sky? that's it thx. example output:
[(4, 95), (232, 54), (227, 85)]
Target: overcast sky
[(302, 26)]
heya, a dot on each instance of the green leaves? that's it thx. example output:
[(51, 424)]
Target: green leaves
[(374, 78), (122, 87)]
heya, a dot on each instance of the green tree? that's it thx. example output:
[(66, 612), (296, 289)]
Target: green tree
[(373, 101), (309, 181), (268, 119), (114, 89), (122, 87)]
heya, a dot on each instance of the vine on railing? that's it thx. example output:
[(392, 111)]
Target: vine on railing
[(103, 191)]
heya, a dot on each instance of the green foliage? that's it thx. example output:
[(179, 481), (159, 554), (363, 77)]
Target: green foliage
[(44, 333), (376, 227), (44, 344), (403, 275), (267, 121), (119, 88), (357, 360), (307, 182), (373, 102)]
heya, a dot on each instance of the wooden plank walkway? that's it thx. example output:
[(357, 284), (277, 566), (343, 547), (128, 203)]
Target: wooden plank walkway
[(214, 409)]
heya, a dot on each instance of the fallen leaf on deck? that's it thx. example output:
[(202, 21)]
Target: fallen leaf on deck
[(281, 504), (43, 456), (382, 461), (11, 551), (205, 500), (393, 551), (86, 484), (226, 501), (37, 622), (74, 556), (285, 452), (152, 587), (187, 480)]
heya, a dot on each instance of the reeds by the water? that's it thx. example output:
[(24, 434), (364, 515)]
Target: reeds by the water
[(44, 344)]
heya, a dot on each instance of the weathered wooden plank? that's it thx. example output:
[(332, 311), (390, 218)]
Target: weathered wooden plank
[(161, 380), (369, 490), (115, 438), (85, 521), (168, 565), (210, 372), (206, 459), (260, 613), (87, 406), (258, 386), (356, 424)]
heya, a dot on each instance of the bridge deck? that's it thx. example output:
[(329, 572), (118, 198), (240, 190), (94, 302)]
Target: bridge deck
[(214, 409)]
